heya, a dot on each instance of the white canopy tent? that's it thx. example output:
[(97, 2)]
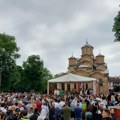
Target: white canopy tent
[(71, 78)]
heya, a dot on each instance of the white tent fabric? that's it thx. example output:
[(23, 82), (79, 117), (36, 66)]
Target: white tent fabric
[(71, 78)]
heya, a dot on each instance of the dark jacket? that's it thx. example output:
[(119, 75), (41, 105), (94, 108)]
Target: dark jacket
[(52, 113), (34, 116)]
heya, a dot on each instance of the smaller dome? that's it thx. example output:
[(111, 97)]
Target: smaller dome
[(72, 57), (100, 55)]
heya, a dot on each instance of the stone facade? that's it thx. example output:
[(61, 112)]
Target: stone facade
[(90, 66)]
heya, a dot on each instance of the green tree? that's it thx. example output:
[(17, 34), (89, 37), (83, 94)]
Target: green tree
[(8, 56), (35, 74), (116, 27), (16, 79)]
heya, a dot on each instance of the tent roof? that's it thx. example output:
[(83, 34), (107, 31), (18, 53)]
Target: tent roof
[(71, 78)]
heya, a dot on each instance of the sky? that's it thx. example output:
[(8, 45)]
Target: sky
[(56, 29)]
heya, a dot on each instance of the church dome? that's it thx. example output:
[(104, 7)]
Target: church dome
[(72, 57), (87, 45), (100, 55), (87, 49)]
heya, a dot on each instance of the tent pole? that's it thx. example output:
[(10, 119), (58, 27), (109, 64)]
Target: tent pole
[(48, 88)]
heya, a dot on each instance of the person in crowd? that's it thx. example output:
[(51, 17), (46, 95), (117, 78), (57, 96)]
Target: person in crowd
[(61, 103), (84, 107), (38, 104), (35, 114), (29, 105), (14, 115), (2, 108), (24, 115), (66, 111), (57, 114), (43, 115), (112, 112), (106, 115), (44, 112), (88, 114), (52, 112), (30, 113), (3, 116), (72, 106), (97, 115), (78, 112)]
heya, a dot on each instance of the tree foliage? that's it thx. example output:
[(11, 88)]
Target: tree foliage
[(35, 73), (8, 56), (16, 78), (116, 27)]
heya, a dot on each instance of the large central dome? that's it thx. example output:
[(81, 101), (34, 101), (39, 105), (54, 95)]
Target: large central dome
[(87, 45)]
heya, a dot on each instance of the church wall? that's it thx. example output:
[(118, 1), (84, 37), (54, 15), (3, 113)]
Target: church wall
[(71, 69), (101, 67), (82, 73), (87, 58), (84, 62)]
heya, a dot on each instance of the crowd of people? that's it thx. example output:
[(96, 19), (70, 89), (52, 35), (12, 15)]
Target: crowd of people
[(36, 106)]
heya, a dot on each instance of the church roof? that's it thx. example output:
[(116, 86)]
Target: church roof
[(72, 57), (100, 55), (83, 66)]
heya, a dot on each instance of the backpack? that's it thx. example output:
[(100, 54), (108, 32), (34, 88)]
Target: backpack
[(57, 112)]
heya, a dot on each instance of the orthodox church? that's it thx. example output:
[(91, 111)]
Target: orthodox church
[(90, 66)]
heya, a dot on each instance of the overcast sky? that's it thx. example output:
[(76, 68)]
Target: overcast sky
[(54, 29)]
